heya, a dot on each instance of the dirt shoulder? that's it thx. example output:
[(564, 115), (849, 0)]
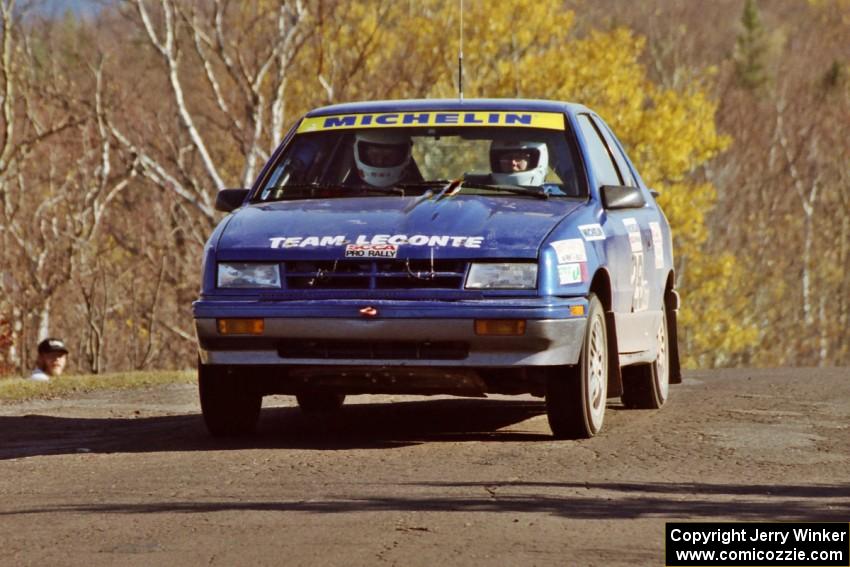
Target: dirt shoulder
[(131, 477)]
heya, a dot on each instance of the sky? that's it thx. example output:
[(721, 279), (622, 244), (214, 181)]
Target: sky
[(56, 8)]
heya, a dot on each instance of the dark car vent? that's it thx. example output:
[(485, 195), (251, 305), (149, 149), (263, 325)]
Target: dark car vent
[(378, 274), (390, 350)]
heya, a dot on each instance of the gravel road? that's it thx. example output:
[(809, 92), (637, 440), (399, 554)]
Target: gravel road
[(132, 478)]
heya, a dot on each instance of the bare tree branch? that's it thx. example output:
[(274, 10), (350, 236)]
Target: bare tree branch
[(170, 54), (154, 171), (7, 72)]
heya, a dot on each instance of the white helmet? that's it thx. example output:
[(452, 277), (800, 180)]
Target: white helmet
[(506, 161), (381, 157)]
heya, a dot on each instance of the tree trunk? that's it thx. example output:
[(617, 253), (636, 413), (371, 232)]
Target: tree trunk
[(807, 268), (843, 301), (17, 351), (44, 319), (823, 325)]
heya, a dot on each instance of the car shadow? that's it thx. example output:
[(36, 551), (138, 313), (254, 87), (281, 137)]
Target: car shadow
[(361, 426)]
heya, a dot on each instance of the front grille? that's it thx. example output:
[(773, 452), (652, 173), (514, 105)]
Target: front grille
[(361, 350), (378, 274)]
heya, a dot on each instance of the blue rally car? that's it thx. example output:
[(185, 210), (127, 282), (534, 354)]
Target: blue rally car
[(454, 247)]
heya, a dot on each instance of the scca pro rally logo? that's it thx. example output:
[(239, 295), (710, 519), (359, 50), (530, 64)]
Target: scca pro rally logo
[(435, 241), (371, 251)]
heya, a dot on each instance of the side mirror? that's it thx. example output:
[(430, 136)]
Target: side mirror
[(619, 197), (230, 199)]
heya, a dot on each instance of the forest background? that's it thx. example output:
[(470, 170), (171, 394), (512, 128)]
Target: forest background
[(120, 120)]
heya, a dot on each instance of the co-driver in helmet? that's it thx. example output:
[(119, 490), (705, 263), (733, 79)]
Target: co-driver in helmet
[(519, 163), (383, 158)]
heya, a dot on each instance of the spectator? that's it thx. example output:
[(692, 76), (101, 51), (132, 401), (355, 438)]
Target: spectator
[(51, 361)]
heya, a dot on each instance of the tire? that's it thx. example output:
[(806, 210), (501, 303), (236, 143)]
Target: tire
[(315, 402), (229, 408), (646, 386), (576, 395)]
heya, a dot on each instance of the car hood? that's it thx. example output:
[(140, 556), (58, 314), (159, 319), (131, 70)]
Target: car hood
[(412, 227)]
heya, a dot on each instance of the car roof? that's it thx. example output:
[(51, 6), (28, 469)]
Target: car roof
[(414, 105)]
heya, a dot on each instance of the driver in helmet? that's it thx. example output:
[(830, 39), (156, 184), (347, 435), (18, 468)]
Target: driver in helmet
[(382, 158), (519, 163)]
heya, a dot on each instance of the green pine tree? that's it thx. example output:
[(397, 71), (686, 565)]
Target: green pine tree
[(751, 49)]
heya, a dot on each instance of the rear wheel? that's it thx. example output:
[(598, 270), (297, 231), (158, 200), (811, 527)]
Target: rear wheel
[(576, 395), (228, 406), (313, 402), (647, 386)]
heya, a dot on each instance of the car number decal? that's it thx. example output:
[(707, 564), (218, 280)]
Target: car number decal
[(658, 244), (640, 286), (633, 229)]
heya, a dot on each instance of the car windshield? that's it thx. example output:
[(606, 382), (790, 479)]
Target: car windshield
[(342, 156)]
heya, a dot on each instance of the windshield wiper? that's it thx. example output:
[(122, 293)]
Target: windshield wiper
[(454, 187), (331, 190), (291, 191), (423, 184)]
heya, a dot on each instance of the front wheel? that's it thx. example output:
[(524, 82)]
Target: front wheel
[(228, 406), (576, 395)]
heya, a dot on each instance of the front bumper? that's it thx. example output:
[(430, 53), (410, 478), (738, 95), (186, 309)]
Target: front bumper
[(552, 336)]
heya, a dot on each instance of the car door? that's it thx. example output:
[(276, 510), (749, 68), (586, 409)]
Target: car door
[(629, 247), (650, 220)]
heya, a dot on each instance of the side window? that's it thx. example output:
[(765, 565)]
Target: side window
[(622, 163), (606, 171)]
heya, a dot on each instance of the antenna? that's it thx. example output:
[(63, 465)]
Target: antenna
[(460, 56)]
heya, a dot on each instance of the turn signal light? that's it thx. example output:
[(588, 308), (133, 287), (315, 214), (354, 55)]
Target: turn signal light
[(241, 326), (576, 310), (500, 327)]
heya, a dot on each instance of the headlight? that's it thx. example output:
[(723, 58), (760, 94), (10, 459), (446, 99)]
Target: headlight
[(502, 276), (245, 274)]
